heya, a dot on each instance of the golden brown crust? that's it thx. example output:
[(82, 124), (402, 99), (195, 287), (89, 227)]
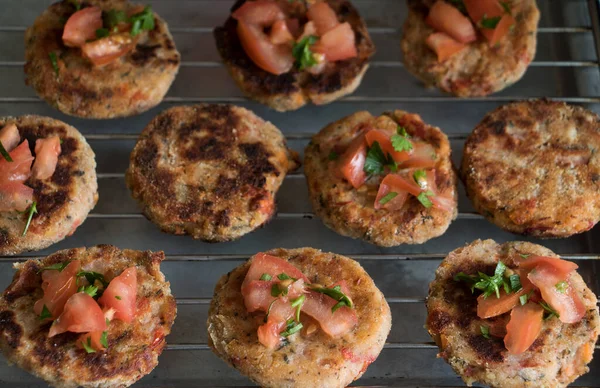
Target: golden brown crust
[(349, 211), (532, 168), (477, 70), (291, 91), (210, 171), (63, 200), (133, 349), (559, 355), (130, 85), (314, 360)]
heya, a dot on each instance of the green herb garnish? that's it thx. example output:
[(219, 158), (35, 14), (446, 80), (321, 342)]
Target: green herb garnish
[(113, 17), (283, 276), (303, 54), (420, 176), (45, 314), (523, 299), (488, 284), (75, 4), (424, 198), (550, 312), (91, 290), (337, 294), (266, 277), (376, 161), (490, 23), (5, 153), (56, 267), (562, 287), (276, 290), (104, 339), (515, 282), (400, 141), (117, 297), (32, 209), (142, 21), (388, 197), (333, 155), (87, 345), (92, 277), (524, 255), (54, 62), (297, 304), (506, 6), (102, 33), (485, 331), (291, 328)]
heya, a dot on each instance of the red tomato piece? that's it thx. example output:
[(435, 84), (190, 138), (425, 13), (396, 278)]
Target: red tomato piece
[(337, 44), (335, 324), (58, 287), (443, 45), (308, 30), (398, 184), (524, 327), (395, 203), (81, 314), (82, 26), (448, 19), (564, 299), (352, 162), (492, 306), (275, 59), (323, 16), (261, 12), (269, 334), (94, 340), (280, 34), (261, 263), (385, 142), (104, 51), (423, 156), (9, 137), (121, 295), (257, 293), (15, 196), (19, 170), (46, 157), (564, 267), (439, 200), (478, 9), (502, 28)]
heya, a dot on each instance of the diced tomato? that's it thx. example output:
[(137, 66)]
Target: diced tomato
[(9, 137), (524, 327), (422, 156), (337, 44), (261, 12), (492, 306), (448, 19), (308, 30), (502, 28), (318, 306), (563, 299), (121, 295), (261, 263), (352, 162), (81, 314), (398, 184), (46, 157), (269, 333), (395, 203), (443, 45), (323, 16), (478, 9), (15, 196), (280, 34), (104, 51), (293, 26), (564, 267), (439, 200), (82, 26), (94, 340), (275, 59), (58, 287), (19, 170), (385, 142), (257, 293)]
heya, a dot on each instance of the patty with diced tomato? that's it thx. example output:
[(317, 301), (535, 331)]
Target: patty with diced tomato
[(133, 348), (209, 171), (63, 200), (309, 358), (296, 88), (532, 168), (480, 68), (559, 354), (352, 211), (69, 82)]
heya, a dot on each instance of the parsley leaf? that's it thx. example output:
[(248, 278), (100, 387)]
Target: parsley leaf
[(102, 33), (485, 331), (31, 211), (337, 294), (276, 290), (54, 62), (562, 287), (92, 276), (113, 17), (424, 198), (400, 141), (524, 256), (104, 339), (297, 304), (515, 282), (376, 160), (45, 314), (291, 328), (506, 6), (333, 155), (75, 4), (420, 176), (488, 284), (523, 299), (283, 276), (5, 153), (266, 277), (87, 345), (90, 290), (303, 54), (389, 196), (549, 310), (490, 23), (142, 21), (56, 267), (117, 297)]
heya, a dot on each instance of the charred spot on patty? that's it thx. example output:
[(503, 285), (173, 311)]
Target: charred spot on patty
[(10, 329), (144, 54), (438, 320), (206, 148), (489, 350), (25, 282)]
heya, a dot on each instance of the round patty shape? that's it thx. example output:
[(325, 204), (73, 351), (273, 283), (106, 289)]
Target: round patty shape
[(307, 360), (127, 86), (210, 171), (558, 356), (532, 168), (293, 90), (478, 69), (133, 348), (351, 212), (64, 200)]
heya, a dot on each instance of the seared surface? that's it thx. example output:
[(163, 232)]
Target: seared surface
[(210, 171), (477, 70), (350, 211), (532, 167), (559, 355), (133, 349), (307, 360), (295, 89), (130, 85), (63, 200)]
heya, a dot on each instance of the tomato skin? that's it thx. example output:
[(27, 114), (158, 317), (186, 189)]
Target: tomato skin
[(19, 170), (385, 142), (280, 34), (275, 59), (523, 328), (443, 45), (269, 333), (46, 157), (9, 137), (448, 19), (261, 12), (564, 267), (352, 162), (335, 324), (121, 295), (15, 196), (106, 50), (395, 203), (262, 263), (81, 314), (491, 306), (94, 338), (478, 9), (58, 287), (398, 183), (337, 44), (422, 156), (82, 26), (323, 16), (504, 25)]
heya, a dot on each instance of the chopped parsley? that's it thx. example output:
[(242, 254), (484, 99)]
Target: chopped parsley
[(400, 141), (291, 328), (117, 297), (424, 198), (524, 255), (515, 282), (91, 290), (388, 197), (5, 153), (333, 155), (337, 294), (54, 62), (303, 54), (485, 331), (506, 6), (266, 277), (87, 345), (523, 299), (45, 314), (104, 339), (490, 23), (420, 176), (297, 304), (112, 19), (75, 4), (56, 267), (283, 276), (550, 312), (142, 21), (488, 284), (376, 161), (102, 33), (32, 209), (277, 290), (92, 277), (562, 287)]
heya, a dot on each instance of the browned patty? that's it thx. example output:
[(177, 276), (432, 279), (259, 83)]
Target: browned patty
[(477, 70), (350, 211), (292, 90), (130, 85), (64, 200), (558, 356), (210, 171), (532, 168), (306, 360), (133, 348)]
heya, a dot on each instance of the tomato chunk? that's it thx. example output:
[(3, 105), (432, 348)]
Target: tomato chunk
[(261, 263), (443, 45), (396, 203), (398, 184), (275, 59), (121, 295), (422, 156), (15, 196), (269, 334), (562, 297), (93, 339), (478, 9), (58, 287), (9, 137), (82, 26), (261, 12), (257, 293), (81, 314), (335, 324), (323, 16), (280, 34), (337, 44), (491, 306), (385, 142), (19, 170), (523, 328), (352, 162), (106, 50), (564, 267), (448, 19), (502, 28), (46, 157)]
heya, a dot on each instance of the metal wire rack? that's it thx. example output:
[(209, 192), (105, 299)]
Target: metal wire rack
[(566, 68)]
